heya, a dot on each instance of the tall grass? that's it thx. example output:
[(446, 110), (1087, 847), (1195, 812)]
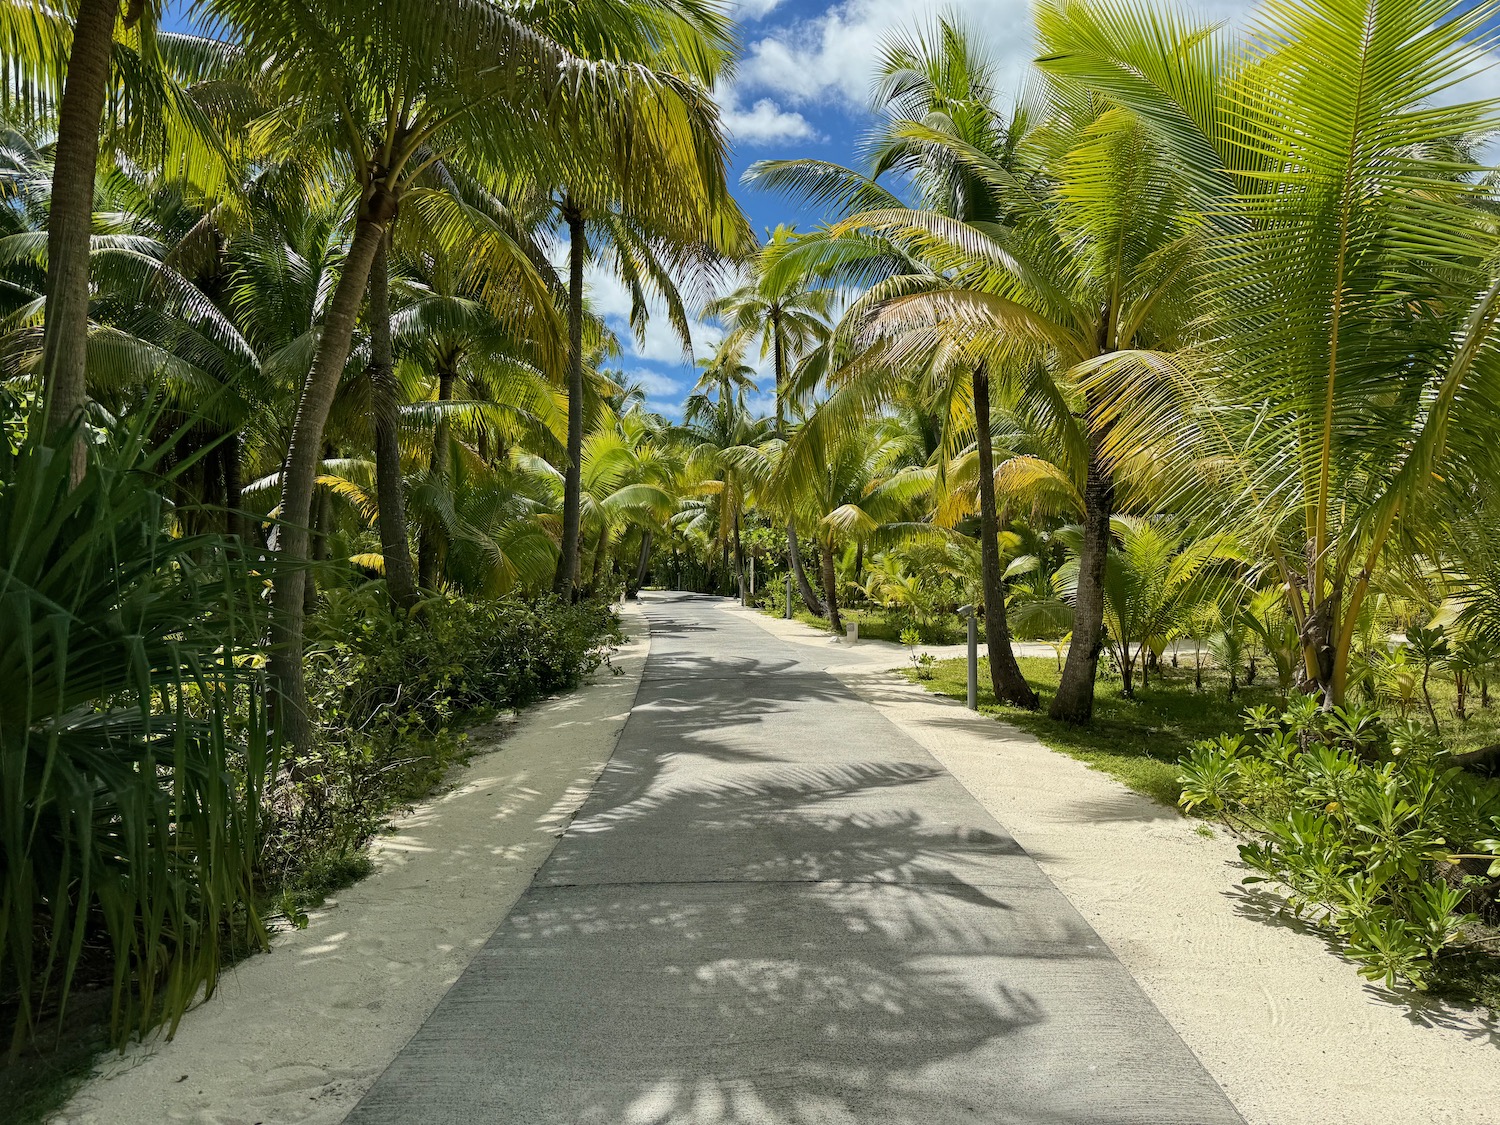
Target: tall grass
[(129, 791)]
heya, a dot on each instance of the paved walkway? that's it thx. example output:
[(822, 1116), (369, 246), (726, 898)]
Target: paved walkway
[(777, 908)]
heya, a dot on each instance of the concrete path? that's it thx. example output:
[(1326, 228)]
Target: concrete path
[(776, 908)]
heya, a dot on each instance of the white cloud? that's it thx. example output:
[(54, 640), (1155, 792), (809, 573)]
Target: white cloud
[(765, 122), (667, 408), (833, 55), (654, 383), (660, 342), (754, 9)]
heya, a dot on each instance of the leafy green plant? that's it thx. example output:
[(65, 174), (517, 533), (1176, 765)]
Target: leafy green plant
[(1355, 824), (1211, 774), (130, 792), (922, 663), (391, 688), (1472, 663), (1430, 646), (1398, 678)]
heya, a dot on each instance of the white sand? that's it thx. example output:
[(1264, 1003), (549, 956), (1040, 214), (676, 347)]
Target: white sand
[(1289, 1030), (299, 1034)]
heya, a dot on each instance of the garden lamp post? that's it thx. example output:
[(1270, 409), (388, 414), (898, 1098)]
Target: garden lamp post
[(789, 595), (971, 615)]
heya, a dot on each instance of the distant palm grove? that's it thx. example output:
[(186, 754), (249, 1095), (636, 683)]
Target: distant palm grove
[(1185, 360)]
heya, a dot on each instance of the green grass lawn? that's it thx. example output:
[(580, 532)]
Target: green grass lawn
[(1135, 740), (876, 626), (1480, 727), (1139, 740)]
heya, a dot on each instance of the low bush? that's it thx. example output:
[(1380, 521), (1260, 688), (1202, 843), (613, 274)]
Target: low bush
[(391, 690), (372, 667), (1367, 829)]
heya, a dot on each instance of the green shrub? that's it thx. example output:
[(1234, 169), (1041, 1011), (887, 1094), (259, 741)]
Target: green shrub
[(390, 690), (771, 597), (1362, 826), (129, 792), (416, 671)]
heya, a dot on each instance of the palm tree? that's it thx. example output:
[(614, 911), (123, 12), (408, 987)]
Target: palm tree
[(1060, 276), (80, 113), (150, 105), (717, 431), (787, 315), (396, 85), (659, 213), (938, 98), (848, 494), (455, 345), (648, 246), (628, 480), (1354, 288), (1153, 584)]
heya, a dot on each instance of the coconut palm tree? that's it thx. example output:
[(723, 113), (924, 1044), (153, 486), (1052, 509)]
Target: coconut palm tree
[(395, 86), (451, 343), (651, 245), (1101, 260), (1155, 580), (1354, 296), (718, 431), (782, 309), (938, 98), (850, 497), (121, 83)]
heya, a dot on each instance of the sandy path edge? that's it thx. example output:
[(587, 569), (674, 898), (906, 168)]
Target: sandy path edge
[(299, 1034), (1288, 1029)]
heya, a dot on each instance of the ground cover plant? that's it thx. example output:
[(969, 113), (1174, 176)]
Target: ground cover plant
[(1136, 740), (1368, 830)]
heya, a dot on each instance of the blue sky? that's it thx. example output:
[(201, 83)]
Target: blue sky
[(800, 90)]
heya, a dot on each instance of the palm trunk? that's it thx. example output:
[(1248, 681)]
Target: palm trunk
[(234, 523), (290, 690), (1074, 702), (601, 551), (643, 563), (831, 589), (427, 542), (566, 580), (1427, 697), (794, 554), (70, 221), (322, 519), (391, 496), (1009, 684), (739, 558), (1319, 642)]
